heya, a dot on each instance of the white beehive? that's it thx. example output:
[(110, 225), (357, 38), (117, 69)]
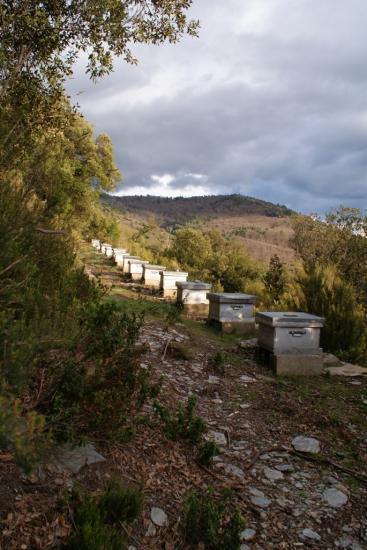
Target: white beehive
[(125, 265), (109, 251), (227, 307), (136, 269), (96, 243), (289, 333), (168, 282), (192, 292), (104, 247), (151, 275), (118, 254), (191, 298)]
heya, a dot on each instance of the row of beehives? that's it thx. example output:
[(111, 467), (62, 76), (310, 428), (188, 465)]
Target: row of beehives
[(292, 338)]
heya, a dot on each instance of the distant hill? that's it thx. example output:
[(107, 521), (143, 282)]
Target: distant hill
[(265, 228), (180, 210)]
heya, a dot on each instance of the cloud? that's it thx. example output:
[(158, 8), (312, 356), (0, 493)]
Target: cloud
[(269, 101)]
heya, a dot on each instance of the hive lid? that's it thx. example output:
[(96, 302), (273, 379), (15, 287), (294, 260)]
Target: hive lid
[(106, 244), (193, 285), (120, 251), (131, 257), (231, 298), (155, 267), (137, 261), (175, 273), (289, 319)]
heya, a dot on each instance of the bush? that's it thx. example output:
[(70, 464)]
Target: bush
[(328, 295), (183, 424), (97, 520), (102, 387), (120, 503), (208, 521), (207, 452)]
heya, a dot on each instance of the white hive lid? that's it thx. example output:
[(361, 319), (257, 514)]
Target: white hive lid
[(175, 273), (155, 267), (193, 285), (231, 298), (137, 261), (292, 319)]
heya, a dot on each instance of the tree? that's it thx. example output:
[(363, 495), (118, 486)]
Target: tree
[(275, 279), (40, 41), (339, 239)]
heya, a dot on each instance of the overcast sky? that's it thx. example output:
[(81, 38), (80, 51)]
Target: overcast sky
[(270, 101)]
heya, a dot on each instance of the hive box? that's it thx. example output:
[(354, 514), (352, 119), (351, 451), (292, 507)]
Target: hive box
[(233, 311), (103, 247), (96, 243), (293, 339), (168, 282), (191, 297), (136, 269), (119, 254), (125, 265), (151, 275), (109, 251)]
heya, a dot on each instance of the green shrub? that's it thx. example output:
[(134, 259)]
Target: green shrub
[(120, 503), (207, 452), (217, 363), (325, 293), (97, 521), (208, 520), (182, 424)]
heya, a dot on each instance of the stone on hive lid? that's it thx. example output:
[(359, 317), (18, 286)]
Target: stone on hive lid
[(193, 285)]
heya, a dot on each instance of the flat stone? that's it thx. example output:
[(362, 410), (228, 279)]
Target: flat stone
[(231, 469), (247, 535), (347, 369), (218, 437), (348, 542), (310, 534), (247, 405), (250, 343), (335, 498), (259, 499), (213, 379), (330, 360), (285, 467), (247, 379), (159, 517), (306, 444), (273, 475), (73, 459)]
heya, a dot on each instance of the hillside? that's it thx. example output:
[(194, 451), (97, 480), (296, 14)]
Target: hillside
[(181, 209), (264, 228)]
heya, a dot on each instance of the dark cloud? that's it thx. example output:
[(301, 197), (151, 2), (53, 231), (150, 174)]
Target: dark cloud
[(270, 101)]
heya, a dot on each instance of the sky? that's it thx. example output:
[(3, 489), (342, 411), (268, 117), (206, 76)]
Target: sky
[(270, 101)]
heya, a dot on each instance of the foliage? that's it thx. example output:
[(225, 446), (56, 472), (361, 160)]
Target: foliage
[(22, 434), (340, 239), (211, 257), (120, 503), (208, 521), (275, 279), (217, 363), (97, 519), (327, 294), (207, 451), (182, 424), (102, 396)]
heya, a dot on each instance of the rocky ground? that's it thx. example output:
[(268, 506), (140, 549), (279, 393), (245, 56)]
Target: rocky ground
[(292, 451)]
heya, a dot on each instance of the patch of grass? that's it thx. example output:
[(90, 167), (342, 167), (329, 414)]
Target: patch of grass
[(209, 521), (207, 452)]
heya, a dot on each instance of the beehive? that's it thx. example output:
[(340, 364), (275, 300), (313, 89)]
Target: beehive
[(293, 339), (233, 311), (168, 282), (151, 275), (136, 269), (192, 298)]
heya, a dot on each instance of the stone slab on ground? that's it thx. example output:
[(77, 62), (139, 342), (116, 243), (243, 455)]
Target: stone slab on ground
[(306, 444), (73, 459), (347, 369)]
